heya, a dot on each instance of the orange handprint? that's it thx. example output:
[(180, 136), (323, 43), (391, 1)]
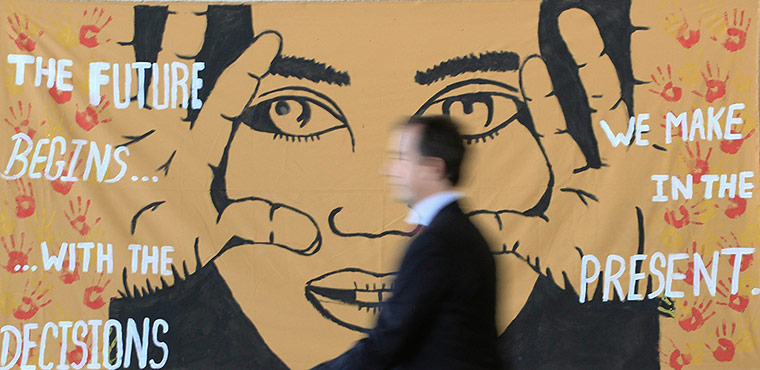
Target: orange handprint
[(726, 348), (78, 217), (90, 117), (69, 276), (697, 315), (25, 203), (677, 359), (736, 301), (733, 146), (684, 216), (21, 33), (31, 304), (716, 88), (60, 97), (93, 295), (88, 33), (697, 165), (686, 36), (670, 92), (746, 259), (21, 121), (736, 37), (690, 266), (64, 187), (17, 257)]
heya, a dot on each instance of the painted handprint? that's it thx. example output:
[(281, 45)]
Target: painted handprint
[(746, 261), (25, 202), (733, 146), (725, 348), (17, 256), (78, 216), (22, 34), (93, 295), (685, 35), (20, 121), (94, 23), (690, 266), (685, 215), (736, 302), (64, 187), (68, 276), (59, 96), (736, 31), (677, 359), (716, 88), (91, 117), (696, 315), (697, 165), (668, 90), (32, 302)]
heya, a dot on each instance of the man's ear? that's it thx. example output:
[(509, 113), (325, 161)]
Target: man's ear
[(437, 167)]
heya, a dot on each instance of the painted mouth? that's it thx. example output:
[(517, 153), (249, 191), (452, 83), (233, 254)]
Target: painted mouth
[(350, 297)]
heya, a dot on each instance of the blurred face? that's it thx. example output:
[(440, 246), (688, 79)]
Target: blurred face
[(409, 174), (303, 165)]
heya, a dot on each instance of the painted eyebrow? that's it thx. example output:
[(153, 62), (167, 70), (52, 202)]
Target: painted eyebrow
[(492, 61), (302, 68)]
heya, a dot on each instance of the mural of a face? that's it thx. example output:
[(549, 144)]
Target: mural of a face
[(318, 260), (291, 144)]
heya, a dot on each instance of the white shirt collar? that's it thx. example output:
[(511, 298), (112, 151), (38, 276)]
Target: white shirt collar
[(425, 210)]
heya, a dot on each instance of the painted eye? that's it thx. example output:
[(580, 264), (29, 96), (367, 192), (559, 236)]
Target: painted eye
[(483, 107), (295, 113)]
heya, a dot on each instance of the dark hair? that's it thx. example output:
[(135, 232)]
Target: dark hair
[(440, 138)]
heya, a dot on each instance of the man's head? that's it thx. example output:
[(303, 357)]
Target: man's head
[(429, 158)]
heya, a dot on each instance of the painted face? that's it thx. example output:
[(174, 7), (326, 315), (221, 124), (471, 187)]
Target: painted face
[(299, 179)]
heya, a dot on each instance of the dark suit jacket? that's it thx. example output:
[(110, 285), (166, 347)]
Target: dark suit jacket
[(441, 313)]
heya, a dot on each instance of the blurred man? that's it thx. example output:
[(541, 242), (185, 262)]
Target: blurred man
[(441, 313)]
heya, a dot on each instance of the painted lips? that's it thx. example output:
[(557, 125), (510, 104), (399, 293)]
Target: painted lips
[(350, 297)]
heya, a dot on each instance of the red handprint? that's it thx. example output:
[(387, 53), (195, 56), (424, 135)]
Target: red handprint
[(31, 303), (737, 209), (68, 276), (736, 37), (685, 216), (677, 359), (25, 203), (90, 117), (77, 218), (93, 295), (733, 146), (64, 187), (60, 97), (17, 257), (746, 259), (690, 266), (726, 347), (697, 165), (75, 356), (686, 37), (716, 88), (88, 33), (21, 121), (21, 34), (669, 92), (736, 301), (696, 317)]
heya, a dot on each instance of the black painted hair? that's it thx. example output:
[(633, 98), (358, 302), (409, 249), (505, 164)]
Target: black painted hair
[(229, 32), (440, 138)]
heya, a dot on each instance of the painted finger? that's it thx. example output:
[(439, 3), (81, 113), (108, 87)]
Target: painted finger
[(562, 152)]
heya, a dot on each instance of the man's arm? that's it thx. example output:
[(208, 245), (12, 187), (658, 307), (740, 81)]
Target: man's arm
[(418, 289)]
